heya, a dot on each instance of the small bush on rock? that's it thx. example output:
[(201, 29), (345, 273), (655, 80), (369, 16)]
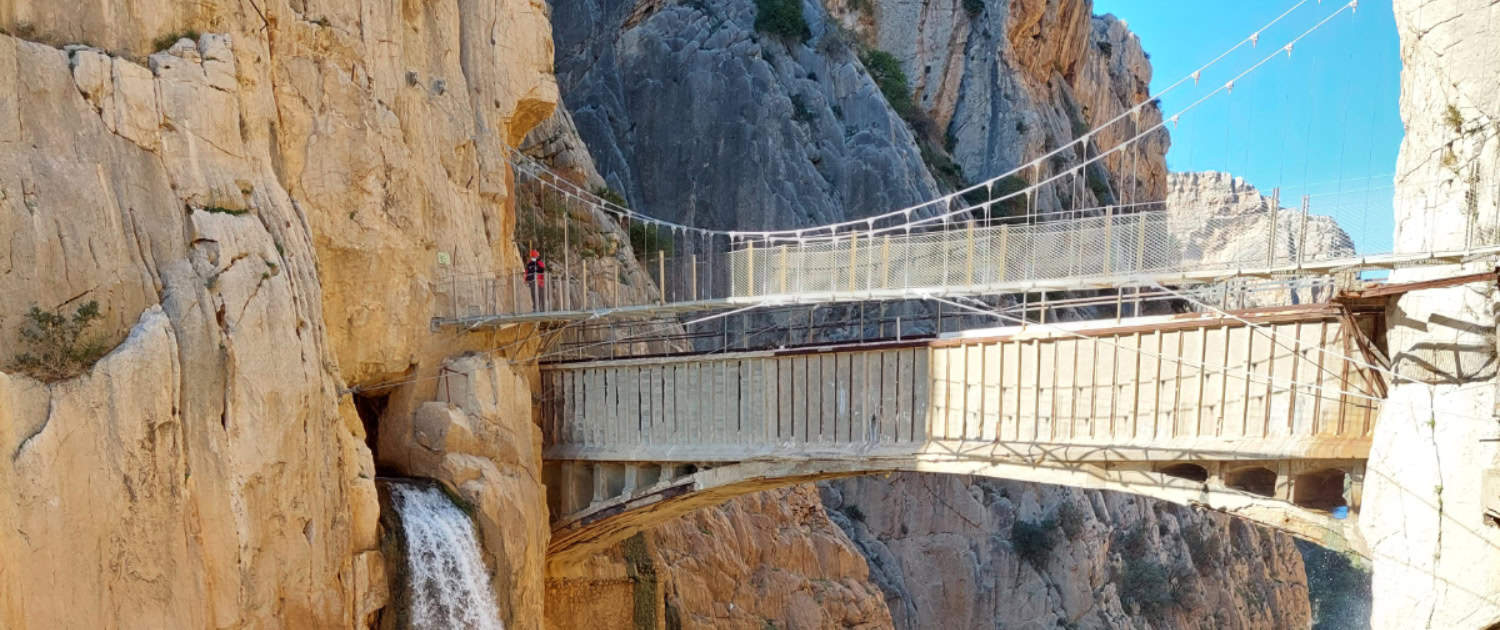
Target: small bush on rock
[(58, 347), (886, 70), (1146, 585), (782, 18), (1032, 541), (166, 41)]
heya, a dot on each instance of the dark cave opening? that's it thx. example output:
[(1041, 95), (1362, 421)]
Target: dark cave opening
[(1261, 481), (1192, 472), (371, 407)]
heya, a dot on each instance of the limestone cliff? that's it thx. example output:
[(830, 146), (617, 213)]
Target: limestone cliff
[(1436, 554), (960, 552), (771, 559), (1219, 218), (259, 212), (1006, 82), (613, 63), (693, 115)]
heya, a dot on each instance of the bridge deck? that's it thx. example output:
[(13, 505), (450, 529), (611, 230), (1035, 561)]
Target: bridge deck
[(1162, 388), (887, 268)]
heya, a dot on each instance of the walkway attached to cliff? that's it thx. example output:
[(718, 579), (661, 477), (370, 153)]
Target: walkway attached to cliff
[(974, 258)]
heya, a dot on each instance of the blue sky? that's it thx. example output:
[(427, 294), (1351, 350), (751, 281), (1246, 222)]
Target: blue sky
[(1323, 122)]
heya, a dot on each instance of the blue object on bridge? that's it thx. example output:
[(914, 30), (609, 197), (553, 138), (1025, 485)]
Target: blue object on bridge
[(1341, 512)]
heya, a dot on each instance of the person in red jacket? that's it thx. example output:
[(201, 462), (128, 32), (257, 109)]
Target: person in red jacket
[(536, 279)]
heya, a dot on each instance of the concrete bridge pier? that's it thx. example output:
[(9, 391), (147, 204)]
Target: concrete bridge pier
[(582, 486)]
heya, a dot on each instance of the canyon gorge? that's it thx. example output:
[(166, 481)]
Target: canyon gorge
[(265, 198)]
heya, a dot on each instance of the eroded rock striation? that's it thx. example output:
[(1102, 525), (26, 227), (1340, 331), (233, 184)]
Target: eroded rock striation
[(258, 210), (1436, 555)]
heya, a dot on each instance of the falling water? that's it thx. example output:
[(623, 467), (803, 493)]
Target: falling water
[(447, 581)]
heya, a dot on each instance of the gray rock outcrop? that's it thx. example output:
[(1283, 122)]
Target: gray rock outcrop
[(693, 115), (964, 552)]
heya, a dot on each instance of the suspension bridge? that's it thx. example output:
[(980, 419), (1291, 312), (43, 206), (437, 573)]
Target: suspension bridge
[(1263, 408)]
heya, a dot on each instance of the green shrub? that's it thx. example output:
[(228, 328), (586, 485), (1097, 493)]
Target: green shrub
[(950, 174), (609, 194), (886, 70), (1032, 541), (1146, 585), (1106, 48), (1009, 185), (1098, 184), (649, 238), (165, 41), (974, 7), (1204, 548), (59, 348), (1071, 520), (1131, 542), (782, 18)]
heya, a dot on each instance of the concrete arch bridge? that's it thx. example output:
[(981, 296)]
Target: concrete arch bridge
[(1265, 413)]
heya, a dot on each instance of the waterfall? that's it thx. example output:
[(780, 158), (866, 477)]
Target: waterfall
[(448, 585)]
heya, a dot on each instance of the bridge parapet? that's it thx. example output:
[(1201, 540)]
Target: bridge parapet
[(1163, 388)]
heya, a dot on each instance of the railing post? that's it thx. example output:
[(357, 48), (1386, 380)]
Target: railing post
[(1004, 246), (515, 294), (1302, 236), (853, 258), (567, 289), (1109, 240), (750, 269), (614, 279), (453, 293), (784, 264), (1140, 242), (693, 282), (885, 261), (943, 281), (661, 275), (1271, 237), (969, 263)]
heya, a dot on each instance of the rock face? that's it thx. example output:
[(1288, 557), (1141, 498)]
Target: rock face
[(1012, 81), (767, 559), (959, 552), (258, 211), (1220, 218), (774, 559), (693, 115), (1436, 555)]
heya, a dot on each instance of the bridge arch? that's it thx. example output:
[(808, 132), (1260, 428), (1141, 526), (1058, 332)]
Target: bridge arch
[(605, 521), (1321, 489), (1189, 408), (1257, 480)]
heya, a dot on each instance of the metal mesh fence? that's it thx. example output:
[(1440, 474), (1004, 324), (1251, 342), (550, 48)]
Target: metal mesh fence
[(973, 258)]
